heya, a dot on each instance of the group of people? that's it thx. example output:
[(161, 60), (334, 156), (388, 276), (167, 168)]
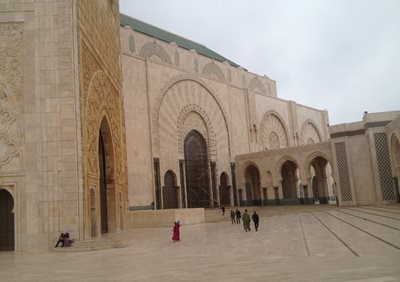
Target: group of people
[(236, 216), (64, 240)]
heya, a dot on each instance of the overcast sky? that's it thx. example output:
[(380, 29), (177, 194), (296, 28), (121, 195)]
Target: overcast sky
[(339, 55)]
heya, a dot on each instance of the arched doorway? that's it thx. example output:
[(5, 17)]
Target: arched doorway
[(197, 170), (107, 192), (6, 221), (170, 191), (290, 181), (319, 180), (395, 151), (224, 190), (253, 194)]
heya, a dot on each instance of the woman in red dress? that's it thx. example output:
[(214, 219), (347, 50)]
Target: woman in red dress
[(175, 231)]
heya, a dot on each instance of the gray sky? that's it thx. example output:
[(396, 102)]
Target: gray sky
[(339, 55)]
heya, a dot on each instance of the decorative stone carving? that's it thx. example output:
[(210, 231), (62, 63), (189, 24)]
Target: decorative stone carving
[(6, 119), (152, 49), (212, 70), (177, 58), (309, 133), (272, 132), (202, 86), (274, 141), (256, 85), (131, 43), (99, 99), (193, 117), (11, 58), (8, 150)]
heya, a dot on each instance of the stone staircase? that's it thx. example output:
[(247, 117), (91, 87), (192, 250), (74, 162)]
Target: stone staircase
[(92, 245)]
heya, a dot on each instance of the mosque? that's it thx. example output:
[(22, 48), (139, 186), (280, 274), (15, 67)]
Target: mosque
[(104, 117)]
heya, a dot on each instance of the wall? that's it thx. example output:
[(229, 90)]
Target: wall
[(43, 176)]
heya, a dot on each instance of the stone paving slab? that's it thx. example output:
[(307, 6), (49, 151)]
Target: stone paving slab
[(221, 251)]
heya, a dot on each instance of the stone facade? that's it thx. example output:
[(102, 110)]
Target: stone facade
[(99, 120), (361, 154), (237, 112)]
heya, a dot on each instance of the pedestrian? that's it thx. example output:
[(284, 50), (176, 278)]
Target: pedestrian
[(223, 210), (238, 216), (233, 217), (246, 221), (255, 219), (60, 240), (175, 231)]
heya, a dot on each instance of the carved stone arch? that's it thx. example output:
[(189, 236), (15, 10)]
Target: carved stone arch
[(272, 122), (280, 163), (153, 49), (159, 100), (212, 70), (102, 102), (245, 165), (395, 151), (255, 84), (185, 126), (132, 45), (312, 157), (310, 133), (10, 127)]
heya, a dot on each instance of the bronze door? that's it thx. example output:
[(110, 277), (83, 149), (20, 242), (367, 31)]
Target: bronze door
[(6, 221), (197, 171)]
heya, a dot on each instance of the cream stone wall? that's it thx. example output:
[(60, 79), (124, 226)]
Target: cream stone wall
[(367, 160), (37, 77), (229, 101), (101, 109)]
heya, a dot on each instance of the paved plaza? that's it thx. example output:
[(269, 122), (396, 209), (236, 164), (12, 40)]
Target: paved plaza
[(313, 243)]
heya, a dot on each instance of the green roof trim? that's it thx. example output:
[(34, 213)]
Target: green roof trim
[(169, 37)]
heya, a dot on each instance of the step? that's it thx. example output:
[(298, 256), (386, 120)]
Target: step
[(92, 245)]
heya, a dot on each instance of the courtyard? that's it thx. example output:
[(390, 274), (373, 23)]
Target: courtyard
[(294, 243)]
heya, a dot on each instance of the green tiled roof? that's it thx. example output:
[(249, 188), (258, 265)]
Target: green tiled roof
[(169, 37)]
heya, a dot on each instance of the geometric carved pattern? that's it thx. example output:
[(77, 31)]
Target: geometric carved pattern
[(385, 174), (100, 98), (212, 70), (273, 133), (152, 49), (11, 57), (131, 44), (344, 178), (179, 92), (8, 150), (177, 58), (309, 134), (193, 117), (255, 83)]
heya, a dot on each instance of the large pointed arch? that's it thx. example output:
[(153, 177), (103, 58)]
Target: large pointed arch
[(180, 81), (309, 133), (272, 125)]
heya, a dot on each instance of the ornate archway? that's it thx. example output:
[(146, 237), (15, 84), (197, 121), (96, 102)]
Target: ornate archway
[(319, 179), (107, 193), (170, 191), (197, 170), (253, 193), (6, 221), (290, 180), (224, 190)]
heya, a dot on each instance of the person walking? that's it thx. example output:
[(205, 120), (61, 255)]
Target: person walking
[(223, 210), (255, 219), (233, 217), (246, 221), (175, 231), (238, 216)]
